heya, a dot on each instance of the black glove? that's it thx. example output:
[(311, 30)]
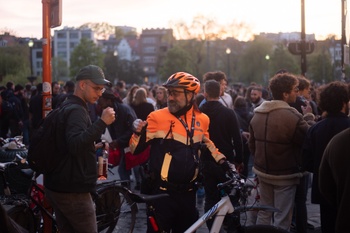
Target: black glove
[(227, 166)]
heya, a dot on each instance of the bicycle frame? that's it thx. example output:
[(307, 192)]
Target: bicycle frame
[(223, 207), (37, 203)]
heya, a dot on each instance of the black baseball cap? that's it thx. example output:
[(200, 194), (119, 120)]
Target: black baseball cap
[(93, 73)]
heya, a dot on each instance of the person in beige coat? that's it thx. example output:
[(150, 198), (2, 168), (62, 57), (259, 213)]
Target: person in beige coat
[(277, 135)]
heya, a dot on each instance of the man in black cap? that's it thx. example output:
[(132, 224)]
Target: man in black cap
[(69, 186)]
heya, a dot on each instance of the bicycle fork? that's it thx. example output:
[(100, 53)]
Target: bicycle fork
[(153, 220)]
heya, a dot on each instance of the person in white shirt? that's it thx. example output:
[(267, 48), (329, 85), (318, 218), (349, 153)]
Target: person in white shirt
[(221, 78)]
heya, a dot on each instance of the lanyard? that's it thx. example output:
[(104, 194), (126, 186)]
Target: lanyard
[(189, 133)]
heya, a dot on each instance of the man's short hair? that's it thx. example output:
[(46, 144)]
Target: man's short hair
[(121, 84), (212, 88), (214, 75), (304, 83), (332, 96), (19, 87), (70, 85), (257, 88), (282, 83)]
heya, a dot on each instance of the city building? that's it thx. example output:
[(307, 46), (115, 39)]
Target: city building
[(286, 36), (66, 39), (154, 44)]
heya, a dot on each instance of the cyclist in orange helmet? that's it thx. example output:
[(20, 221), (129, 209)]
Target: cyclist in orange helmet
[(176, 134)]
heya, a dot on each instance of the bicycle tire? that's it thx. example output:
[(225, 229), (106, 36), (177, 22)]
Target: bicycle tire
[(115, 211), (24, 217), (262, 229)]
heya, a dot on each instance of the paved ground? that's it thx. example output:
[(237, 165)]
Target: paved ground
[(313, 212)]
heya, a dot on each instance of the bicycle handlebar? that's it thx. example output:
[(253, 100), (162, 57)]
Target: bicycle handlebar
[(234, 182)]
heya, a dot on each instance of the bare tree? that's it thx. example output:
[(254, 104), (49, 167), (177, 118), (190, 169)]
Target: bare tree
[(102, 30)]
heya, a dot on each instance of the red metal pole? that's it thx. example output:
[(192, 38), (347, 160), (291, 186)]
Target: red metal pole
[(47, 221), (47, 102)]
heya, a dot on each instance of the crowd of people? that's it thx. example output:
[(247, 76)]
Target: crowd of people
[(197, 132)]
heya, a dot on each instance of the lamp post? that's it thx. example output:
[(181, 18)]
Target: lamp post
[(115, 56), (31, 44), (32, 77), (267, 58), (228, 52), (145, 70)]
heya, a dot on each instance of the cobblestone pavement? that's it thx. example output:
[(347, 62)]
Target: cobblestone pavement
[(141, 225)]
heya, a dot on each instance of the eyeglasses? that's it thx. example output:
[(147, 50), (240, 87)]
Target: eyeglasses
[(296, 89), (97, 89), (174, 93)]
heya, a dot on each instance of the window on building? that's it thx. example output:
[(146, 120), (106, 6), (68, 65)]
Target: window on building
[(61, 45), (149, 49), (149, 40), (39, 54), (73, 35), (149, 59), (151, 69), (39, 64), (61, 35), (72, 45), (62, 54), (86, 35)]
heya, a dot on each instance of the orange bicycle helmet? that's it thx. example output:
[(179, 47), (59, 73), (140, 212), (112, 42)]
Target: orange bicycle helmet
[(183, 80)]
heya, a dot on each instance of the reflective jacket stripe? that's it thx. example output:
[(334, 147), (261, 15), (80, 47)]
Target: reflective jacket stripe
[(165, 167)]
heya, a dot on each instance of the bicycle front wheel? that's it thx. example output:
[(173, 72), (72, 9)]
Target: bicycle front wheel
[(24, 217), (262, 229), (115, 211)]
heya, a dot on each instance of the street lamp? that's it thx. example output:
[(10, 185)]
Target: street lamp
[(228, 52), (31, 44), (32, 77), (267, 58), (145, 70), (115, 56)]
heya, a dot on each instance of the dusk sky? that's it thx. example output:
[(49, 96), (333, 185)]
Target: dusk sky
[(323, 17)]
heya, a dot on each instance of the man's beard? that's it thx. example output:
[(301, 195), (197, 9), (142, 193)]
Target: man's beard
[(256, 101), (173, 106)]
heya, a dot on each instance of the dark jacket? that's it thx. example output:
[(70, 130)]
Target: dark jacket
[(224, 130), (316, 141), (121, 128), (142, 110), (334, 178), (36, 110), (77, 173)]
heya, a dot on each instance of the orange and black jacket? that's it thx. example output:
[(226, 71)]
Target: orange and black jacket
[(173, 159)]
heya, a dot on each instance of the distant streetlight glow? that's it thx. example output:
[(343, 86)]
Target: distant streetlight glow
[(267, 58), (30, 43), (228, 52)]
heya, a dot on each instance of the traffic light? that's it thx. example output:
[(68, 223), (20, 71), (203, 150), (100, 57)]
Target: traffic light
[(55, 13)]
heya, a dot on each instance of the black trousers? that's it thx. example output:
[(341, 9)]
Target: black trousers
[(300, 209), (175, 213)]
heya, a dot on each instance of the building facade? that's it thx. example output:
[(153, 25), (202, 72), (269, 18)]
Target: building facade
[(154, 44), (65, 40)]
